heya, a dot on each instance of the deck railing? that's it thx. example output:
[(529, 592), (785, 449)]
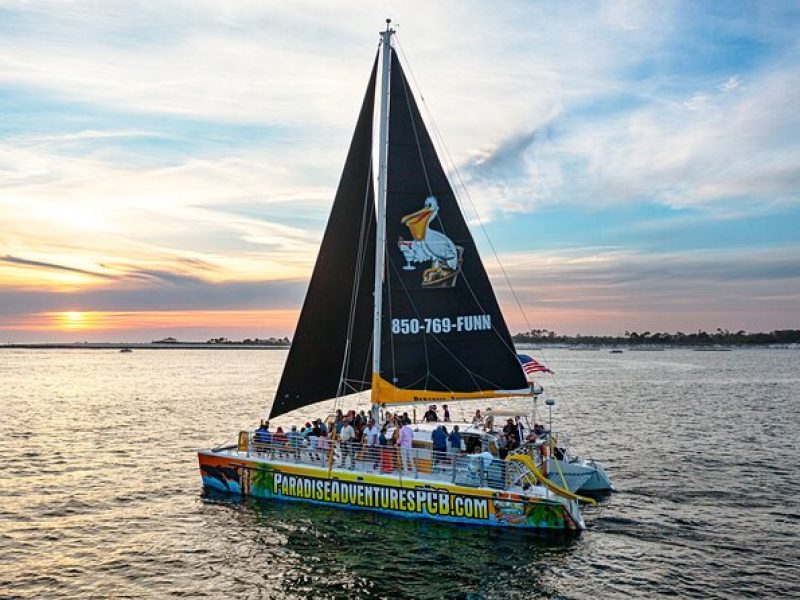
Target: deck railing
[(418, 462)]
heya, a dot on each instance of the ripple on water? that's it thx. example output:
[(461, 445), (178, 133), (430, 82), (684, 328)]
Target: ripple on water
[(101, 495)]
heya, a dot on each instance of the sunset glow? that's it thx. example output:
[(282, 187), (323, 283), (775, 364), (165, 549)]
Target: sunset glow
[(633, 164), (148, 325), (72, 320)]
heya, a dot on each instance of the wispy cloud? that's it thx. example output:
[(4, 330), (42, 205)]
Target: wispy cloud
[(185, 154), (656, 291), (13, 260)]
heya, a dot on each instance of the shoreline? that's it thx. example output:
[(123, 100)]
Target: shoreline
[(141, 346), (242, 346)]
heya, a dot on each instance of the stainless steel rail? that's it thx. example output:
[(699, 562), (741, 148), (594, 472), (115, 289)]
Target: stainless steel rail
[(472, 470)]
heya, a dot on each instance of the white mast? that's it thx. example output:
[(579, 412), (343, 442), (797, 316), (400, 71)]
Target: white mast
[(380, 245)]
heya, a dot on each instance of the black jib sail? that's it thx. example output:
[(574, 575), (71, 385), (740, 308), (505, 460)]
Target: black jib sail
[(331, 351), (443, 335)]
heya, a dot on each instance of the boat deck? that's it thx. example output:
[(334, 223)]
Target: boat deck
[(421, 464)]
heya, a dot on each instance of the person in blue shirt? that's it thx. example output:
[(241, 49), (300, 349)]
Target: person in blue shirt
[(262, 437), (455, 440), (295, 439), (439, 439)]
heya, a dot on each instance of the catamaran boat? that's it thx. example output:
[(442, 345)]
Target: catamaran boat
[(400, 305)]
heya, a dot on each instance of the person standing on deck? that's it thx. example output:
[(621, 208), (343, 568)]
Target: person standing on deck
[(324, 447), (446, 416), (345, 441), (372, 432), (430, 415), (387, 461), (439, 440), (339, 422), (406, 451), (455, 440)]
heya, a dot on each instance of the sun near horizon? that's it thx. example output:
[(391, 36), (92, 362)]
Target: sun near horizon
[(73, 320), (633, 165)]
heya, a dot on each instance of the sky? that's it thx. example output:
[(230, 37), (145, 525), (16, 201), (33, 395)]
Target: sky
[(167, 168)]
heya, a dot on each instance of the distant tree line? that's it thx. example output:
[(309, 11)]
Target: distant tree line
[(251, 342), (721, 337)]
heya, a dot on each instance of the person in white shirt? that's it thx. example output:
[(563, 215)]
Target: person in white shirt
[(371, 433), (406, 450), (345, 441)]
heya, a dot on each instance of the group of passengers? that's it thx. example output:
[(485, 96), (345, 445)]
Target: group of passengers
[(388, 445)]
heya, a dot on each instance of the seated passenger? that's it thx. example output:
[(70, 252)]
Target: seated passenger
[(279, 437), (262, 436), (294, 441)]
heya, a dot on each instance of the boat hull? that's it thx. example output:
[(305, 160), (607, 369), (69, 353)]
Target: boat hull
[(390, 495), (580, 475)]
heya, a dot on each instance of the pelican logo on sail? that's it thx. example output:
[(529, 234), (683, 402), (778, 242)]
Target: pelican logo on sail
[(430, 245)]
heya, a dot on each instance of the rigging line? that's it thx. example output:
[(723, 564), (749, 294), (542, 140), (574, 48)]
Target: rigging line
[(458, 174), (416, 312), (363, 230), (416, 136), (387, 282), (367, 366), (442, 383), (437, 133), (433, 336), (511, 349), (367, 370), (436, 339)]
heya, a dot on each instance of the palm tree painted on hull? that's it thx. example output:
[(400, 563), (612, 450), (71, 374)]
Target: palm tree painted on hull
[(545, 515), (261, 482)]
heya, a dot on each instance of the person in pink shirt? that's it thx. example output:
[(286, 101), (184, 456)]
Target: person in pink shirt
[(406, 452)]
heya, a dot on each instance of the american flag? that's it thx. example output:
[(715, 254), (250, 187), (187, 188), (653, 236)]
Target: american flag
[(530, 365)]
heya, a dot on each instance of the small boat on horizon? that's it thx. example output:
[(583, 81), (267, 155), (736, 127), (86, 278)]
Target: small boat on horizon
[(400, 305), (126, 350)]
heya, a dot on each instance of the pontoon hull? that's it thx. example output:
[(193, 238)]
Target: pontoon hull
[(238, 473), (580, 475)]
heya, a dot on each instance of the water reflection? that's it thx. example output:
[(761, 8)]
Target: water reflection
[(100, 493), (331, 552)]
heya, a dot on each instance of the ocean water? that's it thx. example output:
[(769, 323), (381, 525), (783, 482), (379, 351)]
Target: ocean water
[(100, 493)]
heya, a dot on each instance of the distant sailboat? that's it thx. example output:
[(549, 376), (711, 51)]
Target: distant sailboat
[(399, 303)]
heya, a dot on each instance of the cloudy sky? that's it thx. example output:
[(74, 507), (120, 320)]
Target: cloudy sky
[(166, 168)]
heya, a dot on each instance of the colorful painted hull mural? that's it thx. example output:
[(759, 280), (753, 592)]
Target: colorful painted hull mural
[(388, 495)]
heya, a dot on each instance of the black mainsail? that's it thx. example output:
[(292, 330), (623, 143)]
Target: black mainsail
[(443, 336), (332, 347)]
